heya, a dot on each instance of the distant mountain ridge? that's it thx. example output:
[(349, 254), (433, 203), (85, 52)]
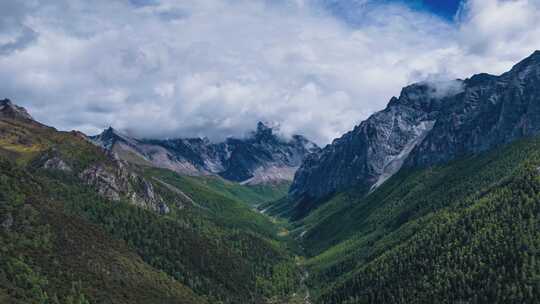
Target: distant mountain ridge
[(261, 157), (428, 124)]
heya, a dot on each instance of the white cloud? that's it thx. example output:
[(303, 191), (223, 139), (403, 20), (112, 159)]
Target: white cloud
[(214, 67)]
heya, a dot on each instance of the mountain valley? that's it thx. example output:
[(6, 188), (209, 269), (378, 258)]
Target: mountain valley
[(434, 199)]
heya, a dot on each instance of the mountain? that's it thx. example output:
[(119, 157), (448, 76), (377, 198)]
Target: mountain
[(430, 123), (462, 232), (9, 110), (260, 158), (489, 112), (373, 151), (79, 225), (435, 199)]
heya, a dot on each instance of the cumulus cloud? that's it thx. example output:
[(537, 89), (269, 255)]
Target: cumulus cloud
[(170, 68)]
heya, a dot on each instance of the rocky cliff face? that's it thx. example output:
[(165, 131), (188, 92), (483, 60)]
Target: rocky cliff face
[(261, 157), (9, 110), (491, 111), (117, 181), (428, 124), (264, 156), (374, 150)]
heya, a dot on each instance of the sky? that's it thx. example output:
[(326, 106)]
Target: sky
[(194, 68), (444, 8)]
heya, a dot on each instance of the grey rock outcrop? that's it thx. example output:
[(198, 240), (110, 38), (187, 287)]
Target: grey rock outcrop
[(374, 150), (117, 182), (56, 163)]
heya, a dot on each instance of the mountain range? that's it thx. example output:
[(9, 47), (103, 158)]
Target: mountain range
[(261, 157), (434, 199)]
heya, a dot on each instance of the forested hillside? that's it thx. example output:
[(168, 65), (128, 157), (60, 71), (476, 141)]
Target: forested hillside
[(463, 232), (70, 235)]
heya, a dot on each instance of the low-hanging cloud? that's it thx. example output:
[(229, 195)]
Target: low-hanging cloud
[(170, 68)]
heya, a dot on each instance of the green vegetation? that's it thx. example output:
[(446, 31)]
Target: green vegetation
[(62, 242), (464, 232), (253, 195), (213, 202), (48, 256)]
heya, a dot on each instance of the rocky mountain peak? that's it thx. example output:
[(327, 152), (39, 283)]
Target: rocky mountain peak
[(264, 133), (263, 128), (493, 111), (427, 95), (10, 110), (532, 60), (430, 123), (109, 133), (261, 157), (480, 79), (373, 151), (110, 136)]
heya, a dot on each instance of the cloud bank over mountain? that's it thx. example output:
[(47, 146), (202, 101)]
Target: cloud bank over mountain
[(170, 68)]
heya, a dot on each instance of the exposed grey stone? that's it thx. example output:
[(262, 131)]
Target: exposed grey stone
[(491, 111), (56, 163), (374, 150), (117, 182)]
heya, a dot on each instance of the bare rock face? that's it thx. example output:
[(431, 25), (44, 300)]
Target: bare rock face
[(52, 160), (56, 163), (428, 124), (374, 150), (10, 110), (491, 111), (117, 182), (264, 157), (261, 157)]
